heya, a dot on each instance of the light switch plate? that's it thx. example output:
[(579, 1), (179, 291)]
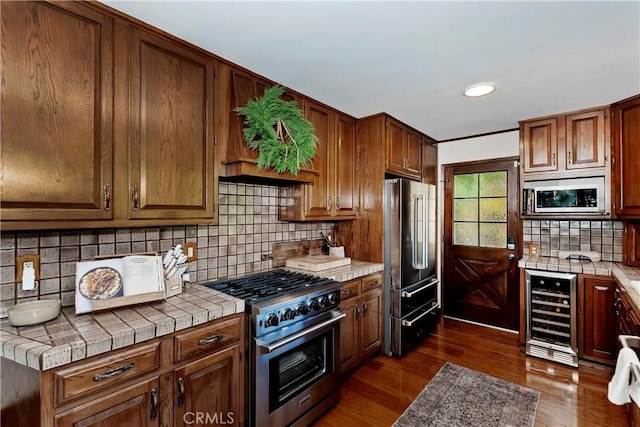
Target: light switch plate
[(534, 249), (191, 250)]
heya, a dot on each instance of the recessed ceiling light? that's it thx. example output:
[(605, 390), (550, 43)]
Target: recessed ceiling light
[(479, 89)]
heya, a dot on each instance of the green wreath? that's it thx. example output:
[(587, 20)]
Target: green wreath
[(277, 128)]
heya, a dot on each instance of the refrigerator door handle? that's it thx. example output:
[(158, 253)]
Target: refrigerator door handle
[(419, 216), (425, 230), (410, 323)]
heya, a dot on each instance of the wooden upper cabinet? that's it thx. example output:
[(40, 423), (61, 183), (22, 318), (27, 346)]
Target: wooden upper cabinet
[(430, 163), (625, 132), (244, 89), (346, 163), (171, 152), (585, 143), (404, 149), (319, 197), (56, 113), (566, 145), (539, 141)]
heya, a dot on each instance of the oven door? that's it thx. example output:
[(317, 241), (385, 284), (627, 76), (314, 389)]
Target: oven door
[(406, 301), (294, 374)]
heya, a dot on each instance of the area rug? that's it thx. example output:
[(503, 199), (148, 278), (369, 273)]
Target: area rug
[(459, 396)]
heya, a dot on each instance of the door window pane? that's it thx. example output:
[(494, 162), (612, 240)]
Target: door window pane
[(493, 235), (493, 184), (493, 210), (465, 185), (465, 210), (465, 233)]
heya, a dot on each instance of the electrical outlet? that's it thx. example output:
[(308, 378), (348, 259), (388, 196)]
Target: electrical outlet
[(191, 250), (23, 261)]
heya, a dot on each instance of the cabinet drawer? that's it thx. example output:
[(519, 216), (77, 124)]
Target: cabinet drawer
[(350, 289), (371, 282), (105, 372), (206, 338)]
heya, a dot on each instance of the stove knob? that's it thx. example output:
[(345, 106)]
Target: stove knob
[(287, 314), (272, 320), (314, 305), (332, 298), (302, 309), (324, 301)]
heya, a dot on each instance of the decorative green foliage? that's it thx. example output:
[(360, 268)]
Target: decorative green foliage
[(279, 130)]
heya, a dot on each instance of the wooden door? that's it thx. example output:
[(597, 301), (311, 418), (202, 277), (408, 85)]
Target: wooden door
[(585, 139), (346, 185), (625, 133), (371, 321), (414, 153), (395, 146), (170, 130), (56, 112), (598, 324), (133, 406), (210, 385), (539, 145), (480, 281), (319, 196)]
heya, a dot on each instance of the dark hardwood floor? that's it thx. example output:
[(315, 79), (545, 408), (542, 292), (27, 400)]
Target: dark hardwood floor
[(377, 392)]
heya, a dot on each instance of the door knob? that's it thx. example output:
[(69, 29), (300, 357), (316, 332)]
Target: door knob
[(511, 256)]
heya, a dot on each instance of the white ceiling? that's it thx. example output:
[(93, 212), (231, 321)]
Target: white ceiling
[(413, 59)]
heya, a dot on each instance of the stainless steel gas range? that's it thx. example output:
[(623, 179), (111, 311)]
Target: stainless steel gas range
[(294, 344)]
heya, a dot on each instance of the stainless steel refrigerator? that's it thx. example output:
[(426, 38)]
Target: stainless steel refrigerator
[(411, 285)]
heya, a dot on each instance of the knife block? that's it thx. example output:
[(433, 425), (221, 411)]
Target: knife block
[(172, 287)]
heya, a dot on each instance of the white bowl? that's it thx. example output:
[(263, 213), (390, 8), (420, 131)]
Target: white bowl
[(33, 312)]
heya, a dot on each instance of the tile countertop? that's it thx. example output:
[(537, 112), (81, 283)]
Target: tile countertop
[(345, 273), (71, 337), (623, 274)]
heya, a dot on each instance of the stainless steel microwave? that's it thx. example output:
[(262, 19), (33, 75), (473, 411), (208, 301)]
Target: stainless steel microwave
[(582, 195)]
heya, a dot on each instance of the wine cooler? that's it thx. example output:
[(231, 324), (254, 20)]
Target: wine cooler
[(551, 316)]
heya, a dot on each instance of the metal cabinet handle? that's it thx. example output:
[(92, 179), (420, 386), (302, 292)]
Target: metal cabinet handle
[(113, 372), (553, 159), (153, 412), (180, 392), (329, 204), (209, 340), (364, 308), (347, 292), (617, 305), (107, 196), (134, 197), (374, 283), (357, 312), (569, 156), (337, 203)]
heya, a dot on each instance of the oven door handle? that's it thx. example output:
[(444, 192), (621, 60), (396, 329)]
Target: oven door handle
[(287, 340), (410, 323), (406, 294)]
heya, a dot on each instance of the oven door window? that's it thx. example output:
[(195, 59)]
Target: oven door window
[(298, 368)]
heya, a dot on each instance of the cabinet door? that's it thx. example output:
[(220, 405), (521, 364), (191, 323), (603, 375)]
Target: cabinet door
[(244, 89), (585, 139), (371, 321), (632, 243), (209, 386), (350, 334), (625, 129), (540, 145), (133, 406), (430, 163), (56, 112), (413, 163), (319, 196), (347, 186), (395, 146), (170, 130), (599, 337)]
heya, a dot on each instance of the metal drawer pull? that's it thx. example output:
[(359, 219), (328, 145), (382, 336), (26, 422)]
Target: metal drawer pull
[(154, 404), (364, 308), (209, 340), (374, 283), (347, 292), (114, 372), (410, 323), (406, 294), (180, 392)]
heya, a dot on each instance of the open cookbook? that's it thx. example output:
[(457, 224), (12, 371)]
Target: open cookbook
[(115, 282)]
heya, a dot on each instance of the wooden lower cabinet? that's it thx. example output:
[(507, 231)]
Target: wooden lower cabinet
[(149, 384), (136, 405), (208, 390), (597, 339), (361, 329)]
